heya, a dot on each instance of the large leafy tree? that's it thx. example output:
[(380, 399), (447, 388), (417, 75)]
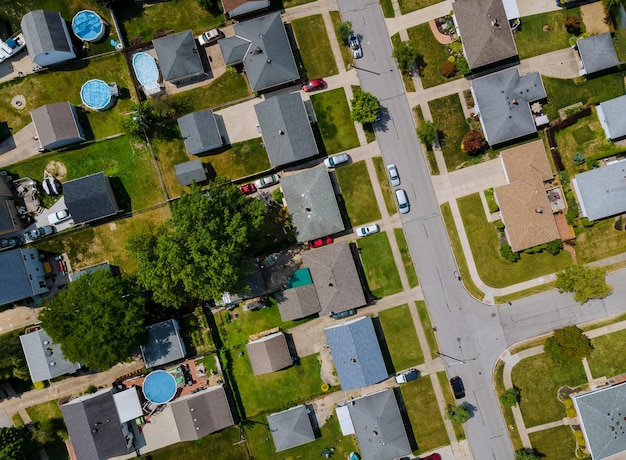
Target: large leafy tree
[(98, 319), (365, 107), (458, 414), (205, 248), (406, 54), (568, 346), (16, 443), (343, 31), (584, 281), (428, 132), (12, 361)]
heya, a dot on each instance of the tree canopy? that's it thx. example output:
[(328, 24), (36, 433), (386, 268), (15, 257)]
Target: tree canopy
[(584, 281), (527, 454), (568, 346), (428, 132), (406, 55), (343, 31), (98, 319), (510, 397), (365, 107), (12, 361), (16, 443), (205, 248), (458, 414)]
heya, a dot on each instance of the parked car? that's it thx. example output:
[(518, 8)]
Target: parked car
[(320, 242), (12, 242), (457, 387), (247, 189), (367, 230), (39, 232), (58, 216), (210, 36), (355, 46), (434, 456), (407, 376), (335, 160), (314, 85), (266, 181), (343, 314), (394, 178), (403, 201)]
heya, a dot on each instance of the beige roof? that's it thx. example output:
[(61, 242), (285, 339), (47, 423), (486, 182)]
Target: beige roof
[(200, 414), (269, 354), (522, 199)]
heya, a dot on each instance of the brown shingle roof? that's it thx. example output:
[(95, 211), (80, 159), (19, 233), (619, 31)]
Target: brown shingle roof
[(200, 414), (298, 302), (269, 354)]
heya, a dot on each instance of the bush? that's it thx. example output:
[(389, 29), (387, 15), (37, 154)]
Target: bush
[(619, 224), (278, 195), (572, 24), (343, 31), (91, 389), (572, 214), (458, 414), (587, 223), (427, 132), (462, 66), (447, 69), (499, 225), (527, 454), (507, 253), (474, 143), (510, 397), (554, 247)]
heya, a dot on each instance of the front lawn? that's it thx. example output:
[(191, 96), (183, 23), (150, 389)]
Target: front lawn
[(554, 444), (599, 242), (385, 186), (333, 115), (432, 54), (427, 326), (485, 243), (444, 383), (401, 338), (223, 445), (532, 39), (406, 6), (607, 358), (314, 46), (358, 193), (448, 115), (407, 261), (379, 265), (539, 380)]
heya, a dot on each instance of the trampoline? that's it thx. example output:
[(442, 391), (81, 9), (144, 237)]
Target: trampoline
[(96, 95), (88, 26), (145, 69), (159, 387)]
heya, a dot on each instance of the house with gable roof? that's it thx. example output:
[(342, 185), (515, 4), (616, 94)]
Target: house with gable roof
[(57, 125), (601, 192), (269, 354), (238, 8), (48, 40), (200, 131), (178, 56), (612, 118), (90, 198), (22, 276), (597, 54)]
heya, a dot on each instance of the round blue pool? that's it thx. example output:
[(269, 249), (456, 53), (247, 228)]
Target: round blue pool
[(159, 387), (88, 26), (145, 69), (96, 95)]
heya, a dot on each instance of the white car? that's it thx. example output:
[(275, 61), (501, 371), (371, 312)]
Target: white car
[(210, 36), (266, 181), (333, 161), (58, 216), (394, 178), (403, 201), (355, 46), (367, 230)]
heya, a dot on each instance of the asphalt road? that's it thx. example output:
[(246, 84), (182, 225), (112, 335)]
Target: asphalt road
[(471, 335)]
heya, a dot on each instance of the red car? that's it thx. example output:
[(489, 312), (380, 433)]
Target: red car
[(432, 457), (320, 242), (247, 189), (314, 85)]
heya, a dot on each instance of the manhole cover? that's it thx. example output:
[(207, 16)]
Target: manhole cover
[(19, 102)]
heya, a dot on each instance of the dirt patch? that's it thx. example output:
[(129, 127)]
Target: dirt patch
[(595, 19), (57, 169)]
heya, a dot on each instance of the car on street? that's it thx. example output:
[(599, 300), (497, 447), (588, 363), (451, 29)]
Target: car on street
[(58, 216), (40, 232), (320, 242), (394, 178), (367, 230), (335, 160), (434, 456), (403, 201), (266, 181), (343, 314), (457, 387), (355, 46), (210, 36), (12, 242), (407, 376), (313, 85), (247, 189)]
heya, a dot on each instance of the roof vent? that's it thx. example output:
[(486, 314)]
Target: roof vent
[(269, 60), (257, 50), (53, 363), (46, 342), (281, 132)]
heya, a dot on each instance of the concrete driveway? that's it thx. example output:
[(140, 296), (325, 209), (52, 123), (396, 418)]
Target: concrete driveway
[(563, 63)]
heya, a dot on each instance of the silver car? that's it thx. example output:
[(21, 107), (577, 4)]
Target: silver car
[(367, 230), (335, 160), (394, 178), (266, 181), (355, 46), (403, 201)]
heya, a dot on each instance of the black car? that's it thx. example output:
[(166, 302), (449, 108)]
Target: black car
[(13, 242), (457, 387)]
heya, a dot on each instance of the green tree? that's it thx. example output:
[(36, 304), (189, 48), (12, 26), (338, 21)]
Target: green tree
[(585, 282), (343, 31), (527, 454), (12, 361), (510, 397), (568, 346), (365, 107), (458, 414), (428, 132), (205, 248), (507, 253), (16, 443), (98, 319), (141, 120), (406, 55)]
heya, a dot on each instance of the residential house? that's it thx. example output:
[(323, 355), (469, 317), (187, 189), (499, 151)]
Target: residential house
[(612, 118), (262, 47), (199, 414), (356, 353), (286, 129), (164, 344), (312, 204), (200, 132), (238, 8), (335, 277), (9, 217), (189, 172), (299, 300), (269, 354), (57, 125), (47, 38), (291, 428), (503, 100), (178, 57), (601, 192), (597, 54), (90, 198), (44, 357), (22, 276)]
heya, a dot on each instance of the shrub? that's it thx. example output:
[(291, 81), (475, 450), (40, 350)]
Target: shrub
[(568, 346), (499, 225), (572, 24), (451, 58), (592, 163), (39, 385), (587, 223), (619, 224), (278, 195), (554, 247), (507, 253), (91, 389), (510, 397), (572, 214), (462, 66), (427, 132), (447, 69), (474, 143), (527, 454), (325, 387), (458, 414)]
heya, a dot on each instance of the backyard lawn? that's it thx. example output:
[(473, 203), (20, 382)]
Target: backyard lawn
[(385, 186), (492, 268), (379, 265), (42, 413), (358, 193), (428, 328), (401, 337), (555, 444), (346, 54), (314, 46), (539, 379), (432, 55), (598, 242), (225, 89), (237, 325), (333, 115), (607, 358), (407, 261), (448, 114), (223, 445)]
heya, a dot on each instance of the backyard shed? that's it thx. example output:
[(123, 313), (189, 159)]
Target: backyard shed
[(90, 198), (189, 172), (57, 125)]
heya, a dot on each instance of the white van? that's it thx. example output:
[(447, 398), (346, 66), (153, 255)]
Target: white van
[(403, 201)]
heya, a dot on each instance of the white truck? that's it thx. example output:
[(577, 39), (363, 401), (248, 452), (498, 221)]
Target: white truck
[(407, 376), (210, 36)]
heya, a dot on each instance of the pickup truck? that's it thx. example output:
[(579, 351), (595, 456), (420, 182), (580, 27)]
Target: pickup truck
[(411, 374), (210, 36)]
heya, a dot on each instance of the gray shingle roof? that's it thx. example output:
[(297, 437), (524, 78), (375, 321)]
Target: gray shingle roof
[(484, 42), (335, 277), (200, 132), (57, 124), (40, 352), (269, 354), (378, 426), (15, 284), (268, 59), (503, 99), (312, 204), (298, 302), (178, 56), (190, 171), (90, 198), (356, 353), (286, 129), (601, 192), (164, 344), (291, 428), (612, 117), (45, 32), (597, 53), (200, 414)]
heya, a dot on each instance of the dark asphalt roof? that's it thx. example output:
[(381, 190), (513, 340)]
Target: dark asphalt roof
[(269, 354), (44, 32), (15, 283), (56, 122), (178, 56), (190, 171), (200, 132), (598, 53), (200, 414), (90, 198)]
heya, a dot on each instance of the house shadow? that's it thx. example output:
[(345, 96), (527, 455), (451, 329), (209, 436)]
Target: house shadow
[(384, 348), (369, 296), (83, 119), (313, 419), (405, 419), (121, 194), (7, 142), (292, 349)]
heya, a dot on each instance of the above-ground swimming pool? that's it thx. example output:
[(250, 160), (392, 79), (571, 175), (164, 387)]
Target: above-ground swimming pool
[(159, 387), (145, 69), (96, 95), (88, 26)]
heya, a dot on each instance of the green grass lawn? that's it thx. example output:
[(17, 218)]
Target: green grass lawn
[(55, 446), (385, 186), (539, 379), (222, 91), (358, 193), (599, 241), (428, 328), (346, 54), (430, 154), (314, 46), (506, 411), (408, 81), (237, 325), (423, 410), (432, 52), (619, 35), (387, 7), (555, 444), (44, 411), (401, 337), (223, 445), (407, 261), (444, 383), (448, 114), (531, 40), (380, 268), (607, 359), (406, 6), (333, 115), (492, 268)]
